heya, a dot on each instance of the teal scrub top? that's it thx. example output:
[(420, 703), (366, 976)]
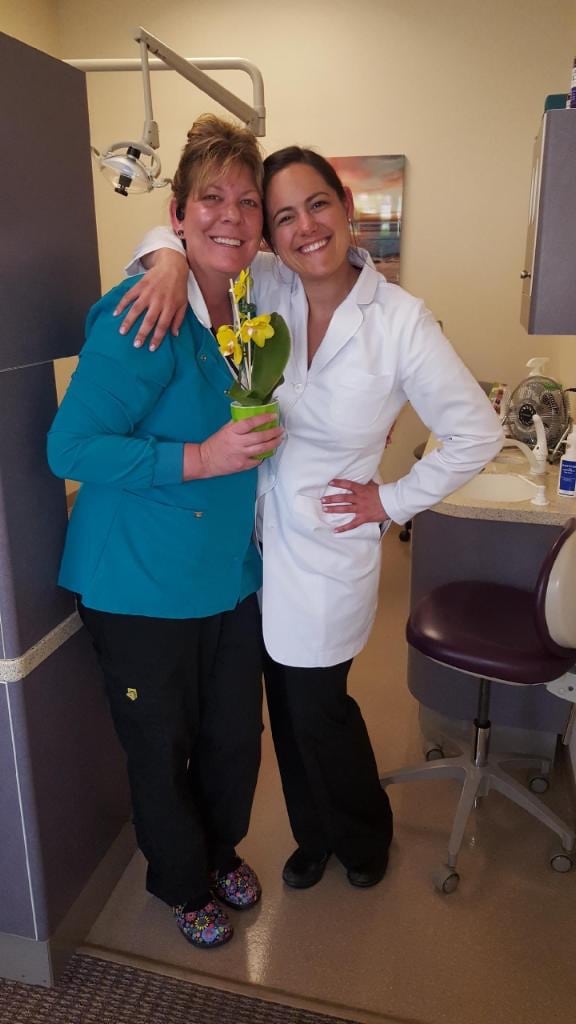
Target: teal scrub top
[(140, 540)]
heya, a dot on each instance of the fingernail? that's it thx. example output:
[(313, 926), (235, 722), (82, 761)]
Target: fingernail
[(153, 348), (176, 333), (115, 313), (137, 342), (122, 330)]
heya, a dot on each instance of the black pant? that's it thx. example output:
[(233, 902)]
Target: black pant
[(327, 765), (186, 700)]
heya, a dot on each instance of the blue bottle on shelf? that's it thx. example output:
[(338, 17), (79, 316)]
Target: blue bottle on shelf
[(567, 478)]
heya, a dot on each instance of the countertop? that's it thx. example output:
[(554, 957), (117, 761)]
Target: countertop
[(512, 460)]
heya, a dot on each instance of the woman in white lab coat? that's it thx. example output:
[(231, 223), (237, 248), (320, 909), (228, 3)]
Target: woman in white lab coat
[(361, 349)]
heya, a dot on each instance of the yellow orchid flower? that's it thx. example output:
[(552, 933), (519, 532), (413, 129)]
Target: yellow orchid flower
[(241, 284), (229, 343), (258, 329), (255, 372)]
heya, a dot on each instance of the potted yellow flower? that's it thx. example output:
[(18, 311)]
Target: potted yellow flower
[(256, 349)]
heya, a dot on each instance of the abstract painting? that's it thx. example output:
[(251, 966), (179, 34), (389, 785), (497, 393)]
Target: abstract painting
[(376, 183)]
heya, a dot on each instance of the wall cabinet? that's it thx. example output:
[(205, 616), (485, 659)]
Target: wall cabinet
[(549, 273)]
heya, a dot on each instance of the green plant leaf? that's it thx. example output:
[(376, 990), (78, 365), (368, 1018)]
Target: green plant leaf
[(238, 394), (268, 362)]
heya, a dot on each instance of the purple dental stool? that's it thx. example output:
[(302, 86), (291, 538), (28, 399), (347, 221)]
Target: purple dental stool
[(504, 636)]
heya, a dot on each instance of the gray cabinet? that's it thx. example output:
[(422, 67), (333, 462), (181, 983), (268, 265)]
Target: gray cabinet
[(549, 273)]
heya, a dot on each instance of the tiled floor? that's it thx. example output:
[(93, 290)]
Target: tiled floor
[(500, 950)]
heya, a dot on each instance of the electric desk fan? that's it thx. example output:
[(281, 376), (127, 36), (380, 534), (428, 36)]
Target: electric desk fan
[(541, 395)]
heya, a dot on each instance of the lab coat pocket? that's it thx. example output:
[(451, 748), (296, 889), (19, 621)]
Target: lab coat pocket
[(350, 557), (308, 509), (310, 513), (358, 401)]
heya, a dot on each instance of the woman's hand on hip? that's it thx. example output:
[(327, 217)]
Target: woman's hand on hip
[(232, 449), (362, 501), (162, 293)]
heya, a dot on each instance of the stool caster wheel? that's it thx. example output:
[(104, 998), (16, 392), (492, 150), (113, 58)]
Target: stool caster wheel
[(538, 784), (434, 753), (446, 880), (404, 535), (562, 862)]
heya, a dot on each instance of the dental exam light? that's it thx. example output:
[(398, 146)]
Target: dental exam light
[(134, 165)]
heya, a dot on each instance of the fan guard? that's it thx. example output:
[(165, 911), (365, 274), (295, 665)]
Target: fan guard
[(543, 396)]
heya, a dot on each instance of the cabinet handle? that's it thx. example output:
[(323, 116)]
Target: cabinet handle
[(524, 274)]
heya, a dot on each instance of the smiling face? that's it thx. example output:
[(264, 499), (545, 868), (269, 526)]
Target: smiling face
[(308, 222), (222, 225)]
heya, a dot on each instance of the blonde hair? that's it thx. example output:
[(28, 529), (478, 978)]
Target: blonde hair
[(214, 146)]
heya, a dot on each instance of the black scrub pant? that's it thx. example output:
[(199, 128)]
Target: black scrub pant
[(186, 700), (327, 765)]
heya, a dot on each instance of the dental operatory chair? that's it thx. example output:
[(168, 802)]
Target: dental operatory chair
[(502, 635)]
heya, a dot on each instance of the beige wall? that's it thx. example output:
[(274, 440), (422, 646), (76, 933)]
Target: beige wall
[(456, 85), (32, 21)]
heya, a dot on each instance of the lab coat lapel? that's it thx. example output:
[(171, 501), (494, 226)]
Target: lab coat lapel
[(344, 324), (347, 320), (348, 317), (299, 332)]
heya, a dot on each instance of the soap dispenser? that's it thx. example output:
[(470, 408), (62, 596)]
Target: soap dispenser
[(567, 478)]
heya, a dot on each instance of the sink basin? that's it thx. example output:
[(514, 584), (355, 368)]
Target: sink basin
[(501, 487)]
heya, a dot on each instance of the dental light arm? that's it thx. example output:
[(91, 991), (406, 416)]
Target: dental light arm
[(253, 117), (128, 170), (150, 133)]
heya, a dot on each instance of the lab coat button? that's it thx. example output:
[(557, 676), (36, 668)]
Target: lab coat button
[(203, 358), (298, 387)]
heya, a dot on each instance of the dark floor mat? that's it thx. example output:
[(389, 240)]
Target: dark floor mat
[(96, 991)]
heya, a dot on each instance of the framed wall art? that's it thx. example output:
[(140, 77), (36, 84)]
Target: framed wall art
[(376, 183)]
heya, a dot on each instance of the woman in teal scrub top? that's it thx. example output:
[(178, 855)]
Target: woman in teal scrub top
[(159, 548)]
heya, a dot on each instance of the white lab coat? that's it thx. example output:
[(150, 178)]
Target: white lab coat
[(382, 348)]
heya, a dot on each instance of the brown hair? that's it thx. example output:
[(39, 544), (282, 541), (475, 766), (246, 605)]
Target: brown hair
[(283, 158), (214, 146)]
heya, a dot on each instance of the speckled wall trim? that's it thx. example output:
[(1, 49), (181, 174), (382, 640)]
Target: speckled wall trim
[(13, 669)]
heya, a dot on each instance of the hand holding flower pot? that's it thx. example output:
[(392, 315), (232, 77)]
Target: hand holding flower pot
[(256, 349)]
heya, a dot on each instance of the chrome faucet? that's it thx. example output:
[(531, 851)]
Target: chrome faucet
[(538, 455)]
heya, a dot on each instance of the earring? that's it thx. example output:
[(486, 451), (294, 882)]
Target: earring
[(180, 233)]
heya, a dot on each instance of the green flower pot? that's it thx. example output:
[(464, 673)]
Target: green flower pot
[(243, 412)]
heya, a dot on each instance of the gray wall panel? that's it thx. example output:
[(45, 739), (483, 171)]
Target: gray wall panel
[(32, 512), (78, 788), (15, 903), (48, 258), (72, 790)]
